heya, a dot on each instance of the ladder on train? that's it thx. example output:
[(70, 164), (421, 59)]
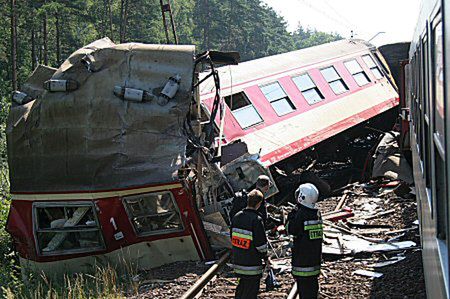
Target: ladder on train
[(166, 9)]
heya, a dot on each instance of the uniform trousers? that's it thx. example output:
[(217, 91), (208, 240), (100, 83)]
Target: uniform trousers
[(248, 287), (308, 287)]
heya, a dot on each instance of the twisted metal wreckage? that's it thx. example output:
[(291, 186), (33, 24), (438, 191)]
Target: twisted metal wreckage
[(116, 158)]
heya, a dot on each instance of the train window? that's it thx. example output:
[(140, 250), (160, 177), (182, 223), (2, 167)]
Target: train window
[(438, 74), (336, 83), (426, 120), (440, 179), (308, 89), (153, 213), (441, 198), (278, 99), (373, 66), (67, 228), (357, 72), (243, 110)]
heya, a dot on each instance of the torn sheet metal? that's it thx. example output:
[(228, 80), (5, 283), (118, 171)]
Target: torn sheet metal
[(367, 273), (387, 262), (389, 161), (243, 172), (217, 230), (349, 244), (90, 139)]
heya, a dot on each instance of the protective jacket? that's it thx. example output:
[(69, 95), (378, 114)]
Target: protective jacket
[(305, 224), (240, 203), (249, 241)]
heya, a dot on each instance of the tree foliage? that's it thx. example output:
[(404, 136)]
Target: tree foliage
[(49, 30)]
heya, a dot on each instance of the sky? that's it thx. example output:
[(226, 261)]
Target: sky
[(397, 18)]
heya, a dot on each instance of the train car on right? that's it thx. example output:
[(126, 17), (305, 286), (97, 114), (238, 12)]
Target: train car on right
[(427, 98)]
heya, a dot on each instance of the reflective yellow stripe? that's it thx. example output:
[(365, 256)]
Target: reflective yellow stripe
[(306, 274), (315, 226), (234, 234), (248, 272)]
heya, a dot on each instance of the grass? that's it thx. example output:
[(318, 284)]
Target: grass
[(105, 283)]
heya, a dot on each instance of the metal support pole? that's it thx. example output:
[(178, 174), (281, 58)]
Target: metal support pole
[(165, 7), (166, 31), (172, 22)]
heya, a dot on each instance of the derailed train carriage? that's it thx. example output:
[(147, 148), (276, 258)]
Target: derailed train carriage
[(283, 104), (111, 161), (98, 164)]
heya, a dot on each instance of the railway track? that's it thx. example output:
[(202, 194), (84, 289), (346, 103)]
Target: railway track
[(200, 284)]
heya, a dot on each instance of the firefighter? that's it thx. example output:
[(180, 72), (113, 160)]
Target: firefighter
[(305, 225), (262, 184), (249, 241)]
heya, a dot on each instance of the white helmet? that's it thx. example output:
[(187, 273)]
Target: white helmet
[(307, 193)]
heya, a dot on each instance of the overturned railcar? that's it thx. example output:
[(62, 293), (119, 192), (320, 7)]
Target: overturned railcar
[(283, 104), (97, 153)]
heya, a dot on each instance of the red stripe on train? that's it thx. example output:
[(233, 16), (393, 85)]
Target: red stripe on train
[(306, 142)]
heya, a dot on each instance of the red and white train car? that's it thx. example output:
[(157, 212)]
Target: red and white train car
[(283, 104), (95, 152)]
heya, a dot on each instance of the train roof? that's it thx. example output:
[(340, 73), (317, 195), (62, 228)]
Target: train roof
[(428, 10), (285, 62)]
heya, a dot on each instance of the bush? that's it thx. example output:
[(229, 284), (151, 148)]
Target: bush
[(105, 283), (8, 269)]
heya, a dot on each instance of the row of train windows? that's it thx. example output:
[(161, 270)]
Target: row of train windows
[(247, 115), (63, 228), (427, 106)]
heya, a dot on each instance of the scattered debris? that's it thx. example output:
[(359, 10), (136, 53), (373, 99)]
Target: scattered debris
[(370, 231), (368, 273), (346, 250), (389, 161), (387, 262)]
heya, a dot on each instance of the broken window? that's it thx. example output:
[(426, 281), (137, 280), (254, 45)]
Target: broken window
[(373, 66), (153, 213), (438, 80), (357, 72), (336, 83), (277, 98), (63, 228), (243, 110), (308, 89)]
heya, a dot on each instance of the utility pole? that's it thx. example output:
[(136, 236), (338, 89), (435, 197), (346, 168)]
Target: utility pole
[(45, 37), (166, 8), (14, 45), (58, 42)]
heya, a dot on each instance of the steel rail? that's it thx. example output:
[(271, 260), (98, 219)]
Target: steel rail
[(203, 281), (293, 292)]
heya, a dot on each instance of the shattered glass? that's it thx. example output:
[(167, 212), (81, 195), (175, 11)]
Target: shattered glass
[(153, 213)]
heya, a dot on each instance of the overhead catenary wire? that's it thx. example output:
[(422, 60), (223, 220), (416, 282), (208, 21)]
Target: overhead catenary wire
[(338, 14), (328, 16)]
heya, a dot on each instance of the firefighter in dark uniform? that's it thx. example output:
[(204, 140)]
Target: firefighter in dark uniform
[(305, 225), (262, 184), (249, 241)]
